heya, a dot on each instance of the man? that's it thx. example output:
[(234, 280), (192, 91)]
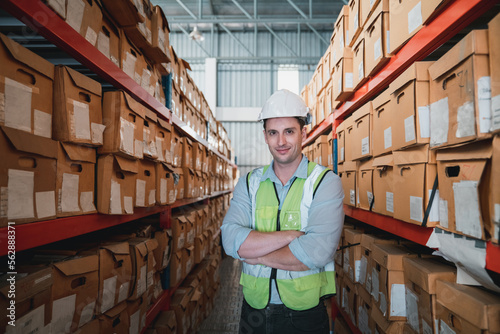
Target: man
[(284, 223)]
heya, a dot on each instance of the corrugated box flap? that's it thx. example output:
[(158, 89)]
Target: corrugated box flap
[(413, 155), (26, 142), (116, 310), (189, 141), (186, 64), (344, 12), (28, 58), (384, 160), (151, 244), (78, 266), (163, 17), (178, 170), (174, 55), (417, 71), (84, 82), (340, 127), (164, 124), (476, 42), (364, 110), (168, 167), (79, 153), (365, 164), (479, 150), (382, 99), (38, 278), (182, 219), (151, 115), (198, 173), (117, 248), (350, 166), (133, 105), (190, 170), (140, 245), (127, 165)]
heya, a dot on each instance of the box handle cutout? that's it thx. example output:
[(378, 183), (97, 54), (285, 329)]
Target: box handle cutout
[(106, 31), (118, 264), (131, 117), (146, 123), (147, 173), (447, 80), (27, 162), (119, 175), (26, 77), (84, 97), (78, 282), (116, 322), (452, 171), (455, 322), (133, 53), (380, 111), (400, 96), (404, 168), (76, 168), (377, 267), (371, 30)]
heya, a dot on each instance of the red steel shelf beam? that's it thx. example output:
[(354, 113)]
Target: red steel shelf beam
[(319, 130), (162, 304), (336, 310)]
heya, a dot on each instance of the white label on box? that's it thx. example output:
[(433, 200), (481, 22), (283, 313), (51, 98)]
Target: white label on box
[(398, 300), (361, 71), (497, 213), (91, 36), (172, 195), (356, 23), (150, 279), (159, 148), (484, 104), (20, 194), (45, 204), (63, 310), (434, 213), (2, 108), (362, 270), (389, 201), (127, 130), (163, 191), (466, 122), (138, 149), (115, 200), (369, 195), (134, 323), (357, 268), (4, 201), (495, 110), (375, 284), (352, 197), (365, 145), (409, 129), (166, 258), (412, 310), (59, 6), (17, 105), (445, 329), (342, 153), (426, 329), (345, 299), (140, 193), (346, 261), (363, 320), (339, 85), (416, 206), (388, 138), (161, 40), (31, 322), (377, 49), (383, 303), (424, 121), (152, 197), (467, 216), (128, 64), (439, 122), (443, 213), (387, 41), (137, 78), (103, 44), (146, 79), (42, 124), (74, 14), (86, 314), (141, 281), (69, 193), (349, 80), (415, 18), (80, 122), (123, 292), (108, 293), (97, 132)]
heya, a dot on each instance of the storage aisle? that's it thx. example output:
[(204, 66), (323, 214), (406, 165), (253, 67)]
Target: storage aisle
[(225, 316)]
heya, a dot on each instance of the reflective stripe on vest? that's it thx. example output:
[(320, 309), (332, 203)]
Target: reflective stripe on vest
[(299, 290)]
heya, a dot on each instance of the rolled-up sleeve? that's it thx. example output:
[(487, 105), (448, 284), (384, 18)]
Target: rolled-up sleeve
[(237, 222), (317, 246)]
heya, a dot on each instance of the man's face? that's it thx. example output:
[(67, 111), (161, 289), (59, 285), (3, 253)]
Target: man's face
[(284, 138)]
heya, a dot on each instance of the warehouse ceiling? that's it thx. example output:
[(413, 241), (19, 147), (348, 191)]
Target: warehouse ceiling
[(248, 15)]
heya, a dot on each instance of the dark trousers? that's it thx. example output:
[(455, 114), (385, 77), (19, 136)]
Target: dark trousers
[(277, 319)]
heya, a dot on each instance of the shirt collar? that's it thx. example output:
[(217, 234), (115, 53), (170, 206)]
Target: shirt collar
[(300, 172)]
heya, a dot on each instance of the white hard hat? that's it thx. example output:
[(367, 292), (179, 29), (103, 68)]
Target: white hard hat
[(284, 103)]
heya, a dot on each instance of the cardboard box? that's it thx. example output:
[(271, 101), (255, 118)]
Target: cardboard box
[(493, 228), (363, 303), (410, 98), (421, 275), (31, 293), (157, 47), (352, 254), (145, 184), (74, 291), (321, 156), (26, 89), (349, 299), (388, 284), (190, 227), (140, 33), (179, 231), (460, 93), (85, 18), (475, 309), (116, 179), (108, 38), (198, 153), (464, 188), (189, 182), (132, 60), (137, 311), (27, 178), (494, 50), (376, 35), (126, 13), (361, 133), (358, 62), (355, 21), (343, 77), (327, 67), (187, 152), (75, 180), (348, 177), (143, 267), (176, 101), (340, 131), (383, 185), (383, 115), (115, 320), (364, 183), (179, 304), (175, 269), (382, 325), (165, 187), (406, 18), (176, 148), (187, 260), (413, 181), (340, 36), (166, 323), (320, 107), (163, 252), (124, 120), (179, 187), (330, 148), (77, 108), (149, 135)]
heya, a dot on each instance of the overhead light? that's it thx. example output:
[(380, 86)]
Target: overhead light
[(196, 35)]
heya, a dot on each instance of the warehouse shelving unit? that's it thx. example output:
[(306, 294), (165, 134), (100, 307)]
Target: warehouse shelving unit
[(45, 22), (451, 20)]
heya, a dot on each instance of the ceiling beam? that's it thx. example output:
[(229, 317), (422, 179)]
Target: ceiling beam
[(310, 26), (187, 9), (280, 40), (236, 39), (245, 20), (242, 9), (199, 44)]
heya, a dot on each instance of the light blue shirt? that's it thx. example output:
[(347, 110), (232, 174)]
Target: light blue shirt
[(317, 246)]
